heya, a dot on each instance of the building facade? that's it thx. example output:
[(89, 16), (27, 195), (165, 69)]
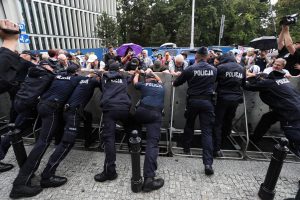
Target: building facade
[(65, 24)]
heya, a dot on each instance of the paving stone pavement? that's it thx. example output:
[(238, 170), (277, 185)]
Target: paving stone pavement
[(184, 179)]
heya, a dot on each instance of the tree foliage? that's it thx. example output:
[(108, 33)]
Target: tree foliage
[(288, 7), (152, 22), (106, 29)]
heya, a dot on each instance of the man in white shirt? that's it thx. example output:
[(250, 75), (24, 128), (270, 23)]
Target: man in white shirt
[(278, 65)]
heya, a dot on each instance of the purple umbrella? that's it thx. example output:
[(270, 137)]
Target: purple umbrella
[(123, 48)]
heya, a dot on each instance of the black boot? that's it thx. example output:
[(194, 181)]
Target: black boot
[(104, 177), (20, 191), (218, 154), (5, 167), (151, 184), (53, 181), (208, 170)]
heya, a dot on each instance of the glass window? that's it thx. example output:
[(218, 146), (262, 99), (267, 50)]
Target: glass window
[(37, 44)]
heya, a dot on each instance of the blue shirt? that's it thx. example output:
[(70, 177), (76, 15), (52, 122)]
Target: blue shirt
[(153, 93)]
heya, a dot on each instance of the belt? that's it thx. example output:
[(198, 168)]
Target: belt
[(52, 104), (202, 97), (67, 107), (150, 107)]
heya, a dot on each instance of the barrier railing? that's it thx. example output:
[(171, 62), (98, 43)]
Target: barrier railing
[(238, 144)]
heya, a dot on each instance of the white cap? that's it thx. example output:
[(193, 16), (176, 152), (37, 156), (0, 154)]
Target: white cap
[(92, 58)]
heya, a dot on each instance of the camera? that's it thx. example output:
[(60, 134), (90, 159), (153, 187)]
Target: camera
[(289, 19)]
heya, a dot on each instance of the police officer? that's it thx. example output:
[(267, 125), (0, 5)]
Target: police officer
[(231, 76), (149, 113), (72, 114), (201, 78), (49, 109), (26, 100), (115, 103), (277, 92)]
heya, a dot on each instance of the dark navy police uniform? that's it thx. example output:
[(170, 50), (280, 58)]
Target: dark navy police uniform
[(149, 113), (26, 100), (115, 103), (72, 114), (277, 92), (201, 78), (230, 77), (49, 109)]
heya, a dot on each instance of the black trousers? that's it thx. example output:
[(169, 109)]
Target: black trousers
[(151, 119), (26, 115), (49, 115), (71, 129), (110, 119), (225, 112), (264, 124), (205, 110)]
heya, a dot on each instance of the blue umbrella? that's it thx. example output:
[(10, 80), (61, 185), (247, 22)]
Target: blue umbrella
[(123, 48)]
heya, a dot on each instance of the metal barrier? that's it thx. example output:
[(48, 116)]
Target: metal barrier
[(239, 145), (177, 127)]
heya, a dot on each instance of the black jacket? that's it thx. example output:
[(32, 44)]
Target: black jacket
[(200, 77), (35, 84), (114, 91), (279, 94), (230, 77), (9, 66)]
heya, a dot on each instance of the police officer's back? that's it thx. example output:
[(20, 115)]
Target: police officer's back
[(230, 78), (149, 113), (114, 90), (115, 103), (49, 108), (72, 113), (277, 92), (201, 78), (37, 81)]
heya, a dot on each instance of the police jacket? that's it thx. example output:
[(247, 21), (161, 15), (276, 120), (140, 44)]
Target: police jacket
[(279, 94), (61, 88), (36, 82), (114, 91), (83, 92), (153, 94), (230, 77), (200, 77), (9, 66)]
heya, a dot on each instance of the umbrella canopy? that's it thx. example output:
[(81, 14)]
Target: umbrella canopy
[(217, 50), (123, 48), (264, 43)]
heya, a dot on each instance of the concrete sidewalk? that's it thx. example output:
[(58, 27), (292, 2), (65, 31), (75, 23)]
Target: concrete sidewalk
[(184, 179)]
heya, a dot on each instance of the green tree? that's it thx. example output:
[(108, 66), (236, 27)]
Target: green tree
[(106, 29), (158, 35)]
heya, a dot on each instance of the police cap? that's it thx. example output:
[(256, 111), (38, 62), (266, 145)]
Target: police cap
[(44, 62), (149, 75), (134, 62), (114, 66), (277, 74), (27, 52), (202, 51), (73, 68)]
